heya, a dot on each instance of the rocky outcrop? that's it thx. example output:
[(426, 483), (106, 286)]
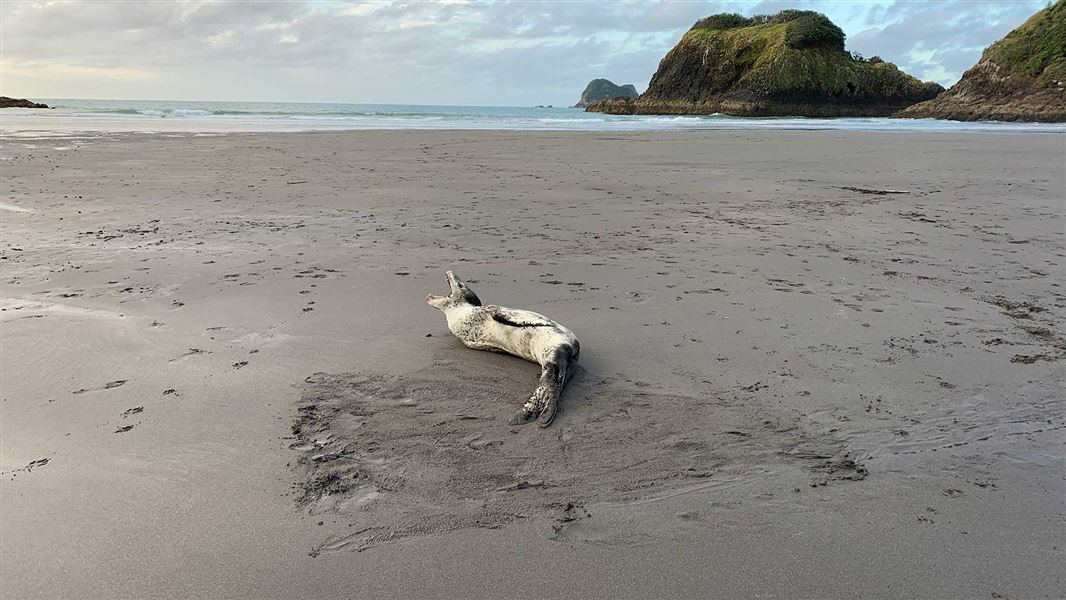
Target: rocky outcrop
[(603, 89), (789, 64), (1022, 77), (6, 102)]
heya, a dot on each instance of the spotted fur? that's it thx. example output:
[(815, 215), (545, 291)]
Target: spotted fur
[(522, 333)]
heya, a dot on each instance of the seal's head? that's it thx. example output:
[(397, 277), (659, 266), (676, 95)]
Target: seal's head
[(459, 295)]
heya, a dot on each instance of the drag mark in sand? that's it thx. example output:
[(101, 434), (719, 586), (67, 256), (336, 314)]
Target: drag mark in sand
[(961, 423), (13, 208), (403, 457)]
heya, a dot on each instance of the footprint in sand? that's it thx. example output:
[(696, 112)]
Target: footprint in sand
[(107, 386), (40, 462), (191, 352), (127, 414)]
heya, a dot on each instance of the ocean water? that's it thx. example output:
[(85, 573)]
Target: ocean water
[(71, 117)]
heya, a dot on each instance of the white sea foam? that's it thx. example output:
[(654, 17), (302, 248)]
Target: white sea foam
[(176, 112), (183, 112), (92, 117)]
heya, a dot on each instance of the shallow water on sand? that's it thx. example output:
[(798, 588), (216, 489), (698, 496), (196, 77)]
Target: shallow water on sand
[(157, 116)]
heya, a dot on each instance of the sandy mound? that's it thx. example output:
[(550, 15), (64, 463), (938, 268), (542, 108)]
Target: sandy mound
[(409, 456)]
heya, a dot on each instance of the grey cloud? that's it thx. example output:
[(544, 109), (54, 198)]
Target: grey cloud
[(952, 33), (530, 19), (478, 53)]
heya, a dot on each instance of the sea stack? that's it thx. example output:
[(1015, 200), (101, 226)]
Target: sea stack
[(6, 102), (789, 64), (603, 89), (1022, 77)]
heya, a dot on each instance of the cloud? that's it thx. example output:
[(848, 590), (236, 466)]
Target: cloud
[(52, 71), (938, 40), (493, 52)]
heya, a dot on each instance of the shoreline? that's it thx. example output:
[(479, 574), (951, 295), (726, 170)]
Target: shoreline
[(205, 118), (748, 326)]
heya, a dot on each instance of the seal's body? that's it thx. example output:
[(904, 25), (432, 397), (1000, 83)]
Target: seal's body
[(522, 333)]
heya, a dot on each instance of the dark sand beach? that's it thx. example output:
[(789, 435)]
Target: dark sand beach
[(814, 364)]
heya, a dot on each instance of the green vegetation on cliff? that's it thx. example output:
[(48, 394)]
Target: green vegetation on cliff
[(1021, 77), (1037, 48), (791, 63), (806, 28)]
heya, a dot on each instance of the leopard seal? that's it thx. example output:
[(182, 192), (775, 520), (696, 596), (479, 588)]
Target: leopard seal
[(522, 333)]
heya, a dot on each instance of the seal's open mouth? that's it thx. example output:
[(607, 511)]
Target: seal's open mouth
[(453, 286)]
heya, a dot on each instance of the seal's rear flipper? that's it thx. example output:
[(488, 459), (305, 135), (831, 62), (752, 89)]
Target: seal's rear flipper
[(521, 417), (548, 411), (541, 404)]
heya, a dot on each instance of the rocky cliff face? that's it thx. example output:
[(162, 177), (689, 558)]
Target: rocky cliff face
[(1022, 77), (603, 89), (6, 102), (791, 63)]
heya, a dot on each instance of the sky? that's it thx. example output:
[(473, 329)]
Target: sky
[(491, 53)]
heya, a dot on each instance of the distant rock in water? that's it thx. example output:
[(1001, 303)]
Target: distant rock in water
[(789, 64), (603, 89), (1022, 77), (6, 102)]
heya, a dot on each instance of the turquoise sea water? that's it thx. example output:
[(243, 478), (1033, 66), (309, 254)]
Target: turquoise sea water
[(82, 116)]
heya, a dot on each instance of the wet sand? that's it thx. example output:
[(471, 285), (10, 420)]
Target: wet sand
[(220, 377)]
